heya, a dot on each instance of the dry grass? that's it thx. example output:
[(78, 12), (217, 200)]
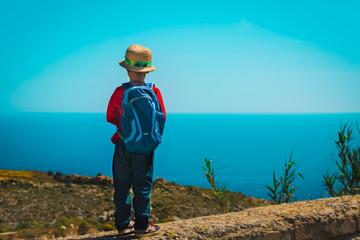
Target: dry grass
[(26, 176)]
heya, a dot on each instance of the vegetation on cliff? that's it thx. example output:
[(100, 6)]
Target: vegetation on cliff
[(220, 193), (34, 203), (283, 189), (345, 181)]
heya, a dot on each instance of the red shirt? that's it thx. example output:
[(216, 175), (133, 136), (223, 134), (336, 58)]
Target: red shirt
[(113, 113)]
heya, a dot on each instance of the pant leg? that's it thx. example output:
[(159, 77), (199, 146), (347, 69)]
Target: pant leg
[(122, 176), (142, 167)]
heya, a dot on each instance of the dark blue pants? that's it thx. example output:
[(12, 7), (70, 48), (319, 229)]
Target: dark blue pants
[(136, 171)]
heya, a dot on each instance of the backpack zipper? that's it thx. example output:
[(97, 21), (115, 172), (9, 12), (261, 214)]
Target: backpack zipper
[(134, 99)]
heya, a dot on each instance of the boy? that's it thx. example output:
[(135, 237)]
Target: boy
[(132, 169)]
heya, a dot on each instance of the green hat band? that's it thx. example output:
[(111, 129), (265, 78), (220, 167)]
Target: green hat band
[(138, 63)]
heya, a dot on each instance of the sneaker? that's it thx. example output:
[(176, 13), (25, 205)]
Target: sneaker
[(128, 230), (151, 230)]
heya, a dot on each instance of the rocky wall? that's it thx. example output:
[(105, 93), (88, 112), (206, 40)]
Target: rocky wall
[(320, 219)]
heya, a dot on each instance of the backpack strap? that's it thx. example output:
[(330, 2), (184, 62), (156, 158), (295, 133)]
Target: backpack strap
[(150, 85), (119, 133), (127, 85)]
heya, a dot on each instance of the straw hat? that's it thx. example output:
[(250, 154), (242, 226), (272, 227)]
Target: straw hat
[(138, 59)]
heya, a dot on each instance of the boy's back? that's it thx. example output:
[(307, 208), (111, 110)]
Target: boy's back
[(113, 114)]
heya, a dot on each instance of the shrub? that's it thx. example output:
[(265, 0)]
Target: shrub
[(76, 221), (59, 232), (47, 224), (220, 193), (84, 227), (286, 193), (347, 180), (25, 225), (62, 221), (108, 226), (3, 229), (94, 222)]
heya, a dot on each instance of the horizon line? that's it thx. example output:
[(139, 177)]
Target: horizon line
[(199, 113)]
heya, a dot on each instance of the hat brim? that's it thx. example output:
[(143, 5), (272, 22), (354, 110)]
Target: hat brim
[(136, 69)]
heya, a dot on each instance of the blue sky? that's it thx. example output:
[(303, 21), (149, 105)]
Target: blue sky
[(211, 56)]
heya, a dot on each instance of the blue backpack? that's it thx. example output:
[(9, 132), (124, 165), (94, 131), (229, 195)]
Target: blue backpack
[(142, 121)]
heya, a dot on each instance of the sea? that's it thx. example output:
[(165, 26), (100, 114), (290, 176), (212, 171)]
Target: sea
[(245, 149)]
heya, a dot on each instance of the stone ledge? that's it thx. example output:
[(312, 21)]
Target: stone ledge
[(319, 219)]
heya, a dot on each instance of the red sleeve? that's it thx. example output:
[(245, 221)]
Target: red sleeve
[(113, 112), (114, 107), (158, 94)]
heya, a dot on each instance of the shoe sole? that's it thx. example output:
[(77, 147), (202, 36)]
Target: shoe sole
[(127, 232), (139, 235)]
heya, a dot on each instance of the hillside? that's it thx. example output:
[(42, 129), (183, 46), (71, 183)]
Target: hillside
[(34, 203)]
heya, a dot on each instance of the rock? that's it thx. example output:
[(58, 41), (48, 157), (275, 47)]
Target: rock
[(77, 179), (159, 179), (321, 219)]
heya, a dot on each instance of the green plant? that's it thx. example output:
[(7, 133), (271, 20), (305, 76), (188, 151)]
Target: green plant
[(62, 221), (347, 180), (220, 193), (171, 235), (47, 224), (84, 227), (108, 226), (274, 190), (3, 229), (59, 232), (25, 225), (283, 188), (94, 222), (77, 221)]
